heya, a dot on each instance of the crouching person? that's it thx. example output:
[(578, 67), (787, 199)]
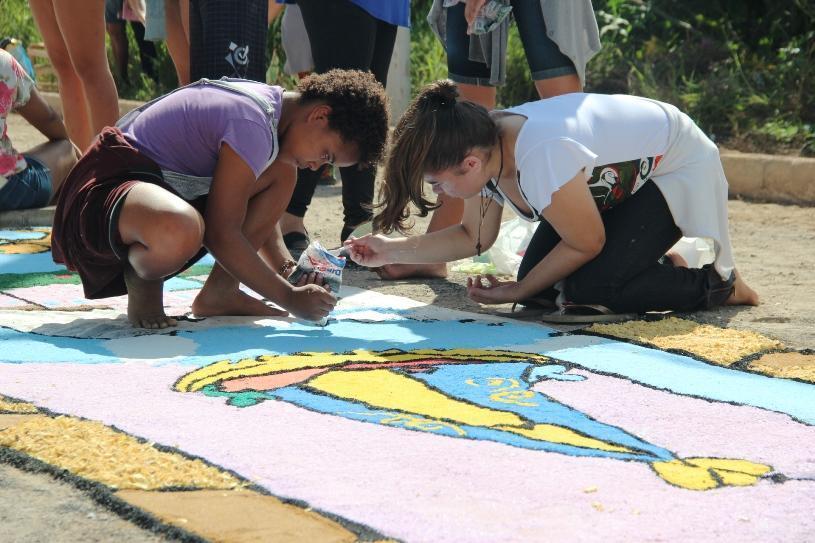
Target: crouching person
[(211, 167)]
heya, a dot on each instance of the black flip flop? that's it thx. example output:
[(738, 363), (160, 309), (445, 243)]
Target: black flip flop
[(585, 313)]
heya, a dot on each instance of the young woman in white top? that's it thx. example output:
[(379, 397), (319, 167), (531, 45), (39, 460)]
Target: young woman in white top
[(615, 181)]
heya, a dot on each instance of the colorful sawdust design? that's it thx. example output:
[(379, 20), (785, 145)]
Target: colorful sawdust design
[(787, 365), (422, 391), (479, 428), (96, 452), (723, 346)]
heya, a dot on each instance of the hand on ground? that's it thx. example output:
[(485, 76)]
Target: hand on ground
[(493, 292)]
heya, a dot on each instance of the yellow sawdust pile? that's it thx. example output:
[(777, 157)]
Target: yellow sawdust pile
[(786, 365), (94, 451), (719, 345), (7, 406)]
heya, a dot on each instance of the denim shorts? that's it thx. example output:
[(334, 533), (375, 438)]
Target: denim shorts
[(29, 188), (543, 55)]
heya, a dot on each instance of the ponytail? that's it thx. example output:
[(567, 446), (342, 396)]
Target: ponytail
[(435, 133)]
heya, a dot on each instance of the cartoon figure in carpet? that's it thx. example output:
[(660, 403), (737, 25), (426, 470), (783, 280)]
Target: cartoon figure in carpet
[(464, 393)]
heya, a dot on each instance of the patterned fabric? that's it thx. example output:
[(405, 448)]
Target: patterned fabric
[(15, 91), (612, 183)]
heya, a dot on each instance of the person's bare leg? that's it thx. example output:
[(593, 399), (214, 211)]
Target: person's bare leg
[(449, 214), (178, 44), (292, 223), (148, 213), (481, 95), (221, 294), (83, 28), (555, 86), (742, 293), (71, 94), (451, 210), (121, 51), (184, 5), (58, 156)]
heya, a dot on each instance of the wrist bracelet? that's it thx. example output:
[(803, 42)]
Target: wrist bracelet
[(287, 267)]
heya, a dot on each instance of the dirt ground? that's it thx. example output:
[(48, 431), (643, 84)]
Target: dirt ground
[(774, 249)]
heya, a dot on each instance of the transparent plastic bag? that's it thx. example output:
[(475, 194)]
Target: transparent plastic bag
[(505, 255), (696, 251)]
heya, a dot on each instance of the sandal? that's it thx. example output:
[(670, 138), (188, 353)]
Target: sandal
[(531, 308), (585, 313)]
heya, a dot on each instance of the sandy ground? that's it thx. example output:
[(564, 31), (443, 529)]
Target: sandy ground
[(35, 508), (774, 249)]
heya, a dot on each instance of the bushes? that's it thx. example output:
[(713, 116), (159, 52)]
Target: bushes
[(743, 69)]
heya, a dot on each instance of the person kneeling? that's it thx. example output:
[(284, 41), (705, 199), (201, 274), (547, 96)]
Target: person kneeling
[(614, 182)]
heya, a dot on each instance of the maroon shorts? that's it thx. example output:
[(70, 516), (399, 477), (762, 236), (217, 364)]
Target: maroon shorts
[(86, 234)]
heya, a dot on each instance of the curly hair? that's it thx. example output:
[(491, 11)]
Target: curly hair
[(435, 133), (359, 108)]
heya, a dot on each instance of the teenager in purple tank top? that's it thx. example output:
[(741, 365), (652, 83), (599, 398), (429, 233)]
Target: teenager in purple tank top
[(211, 167)]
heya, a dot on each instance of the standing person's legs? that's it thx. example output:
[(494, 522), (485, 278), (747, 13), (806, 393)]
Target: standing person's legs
[(147, 51), (74, 106), (472, 79), (358, 184), (178, 42), (115, 27), (341, 35), (228, 38), (83, 26), (553, 72)]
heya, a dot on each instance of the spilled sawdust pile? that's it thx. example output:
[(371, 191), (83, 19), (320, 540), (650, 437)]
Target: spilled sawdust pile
[(94, 451), (7, 406), (719, 345)]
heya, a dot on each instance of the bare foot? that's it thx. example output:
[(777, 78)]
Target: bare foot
[(145, 302), (403, 271), (742, 294), (212, 302)]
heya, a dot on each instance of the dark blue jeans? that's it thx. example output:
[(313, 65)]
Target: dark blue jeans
[(542, 54), (627, 275)]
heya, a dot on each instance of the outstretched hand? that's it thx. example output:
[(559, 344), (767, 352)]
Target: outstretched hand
[(370, 251), (493, 292)]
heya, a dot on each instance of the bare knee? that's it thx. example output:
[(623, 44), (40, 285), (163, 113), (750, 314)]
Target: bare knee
[(175, 238), (162, 231)]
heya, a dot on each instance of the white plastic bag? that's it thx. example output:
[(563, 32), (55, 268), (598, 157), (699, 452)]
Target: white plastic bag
[(696, 251), (504, 257)]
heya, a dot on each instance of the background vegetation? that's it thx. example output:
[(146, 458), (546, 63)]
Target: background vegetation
[(743, 69)]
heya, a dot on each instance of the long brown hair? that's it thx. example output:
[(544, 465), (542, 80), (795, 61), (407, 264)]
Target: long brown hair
[(436, 132)]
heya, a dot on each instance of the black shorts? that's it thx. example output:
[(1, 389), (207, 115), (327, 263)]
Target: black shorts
[(228, 38)]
